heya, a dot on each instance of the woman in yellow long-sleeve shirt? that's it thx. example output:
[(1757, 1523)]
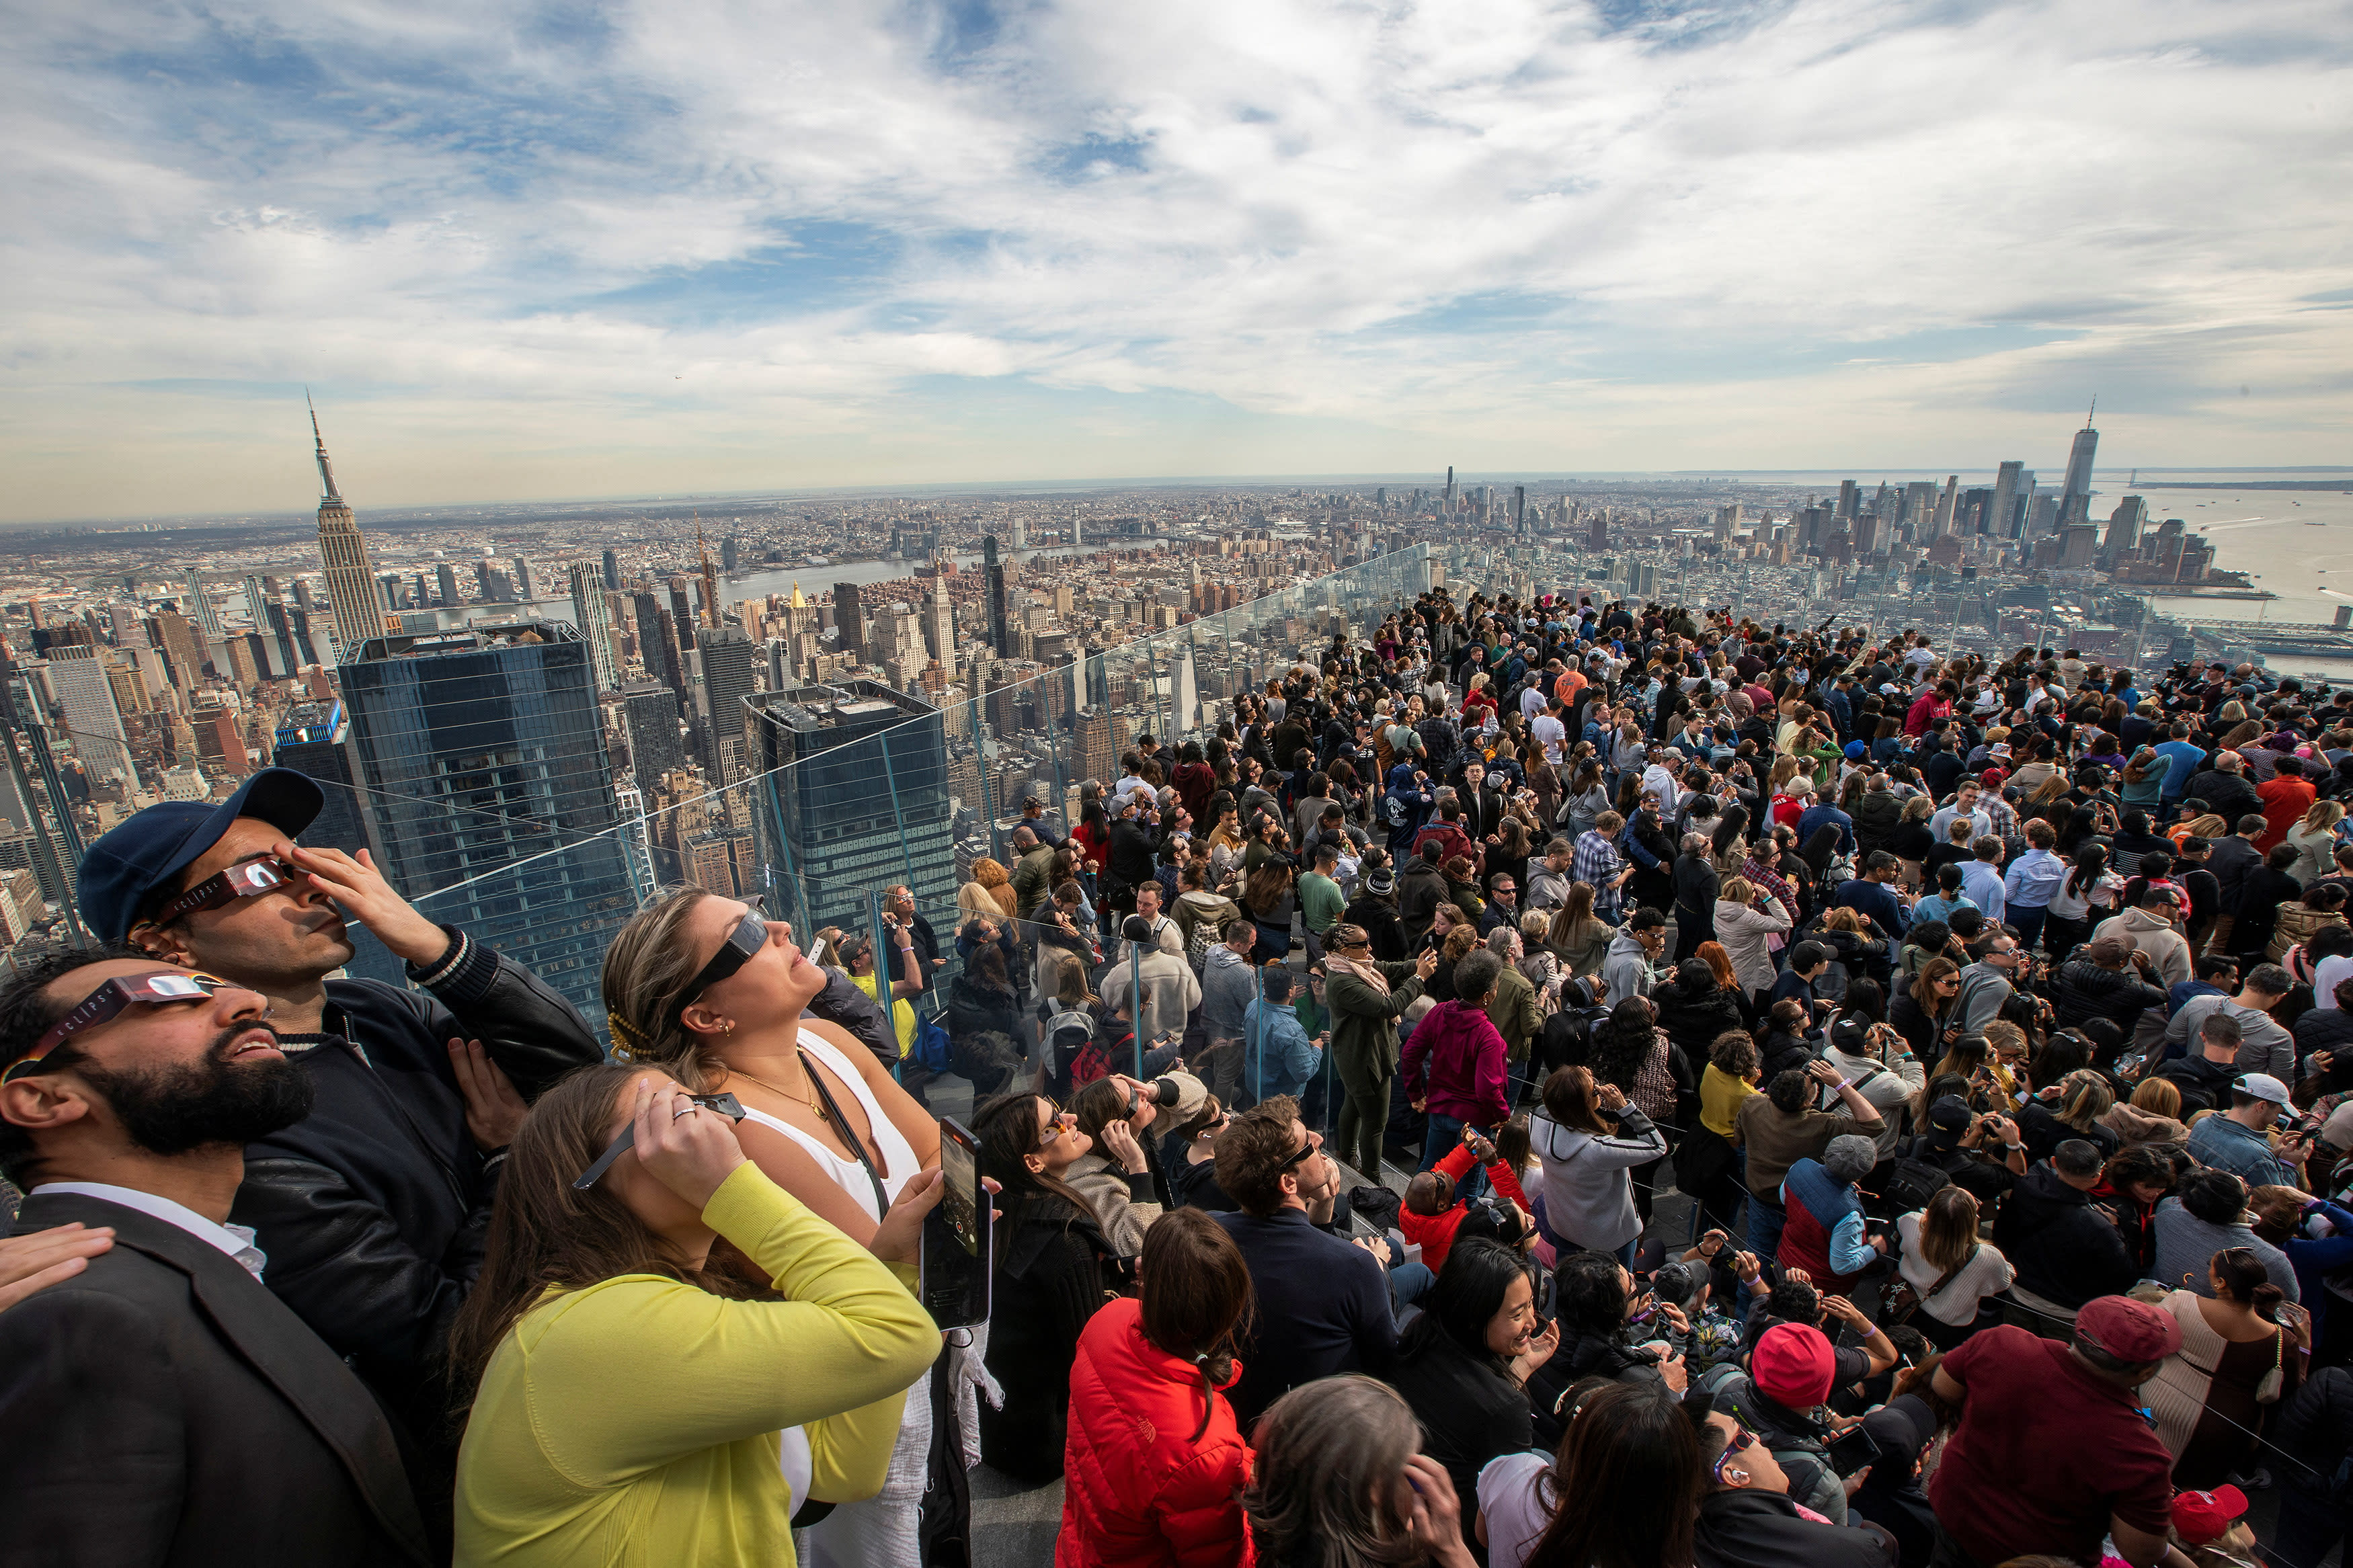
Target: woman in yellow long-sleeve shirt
[(634, 1348)]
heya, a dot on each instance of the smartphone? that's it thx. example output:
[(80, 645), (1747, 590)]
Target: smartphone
[(953, 1278), (1852, 1449)]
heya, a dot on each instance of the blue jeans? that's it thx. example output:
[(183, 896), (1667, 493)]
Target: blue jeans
[(1765, 1222), (1408, 1283), (1444, 1132)]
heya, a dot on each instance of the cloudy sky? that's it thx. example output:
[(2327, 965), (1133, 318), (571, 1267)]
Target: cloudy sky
[(573, 249)]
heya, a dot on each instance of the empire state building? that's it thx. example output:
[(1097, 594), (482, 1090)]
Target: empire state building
[(352, 591)]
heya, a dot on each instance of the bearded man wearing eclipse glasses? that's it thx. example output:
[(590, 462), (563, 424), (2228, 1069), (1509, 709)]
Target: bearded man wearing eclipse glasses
[(373, 1208), (185, 1413)]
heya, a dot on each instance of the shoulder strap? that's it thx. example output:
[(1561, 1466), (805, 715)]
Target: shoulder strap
[(1954, 1270), (849, 1134)]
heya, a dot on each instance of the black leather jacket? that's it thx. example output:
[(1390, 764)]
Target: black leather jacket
[(373, 1209)]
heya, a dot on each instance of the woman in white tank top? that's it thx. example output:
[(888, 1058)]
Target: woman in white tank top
[(702, 986)]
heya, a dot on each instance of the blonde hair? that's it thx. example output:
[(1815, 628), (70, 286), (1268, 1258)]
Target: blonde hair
[(2158, 1095), (1736, 890), (651, 962)]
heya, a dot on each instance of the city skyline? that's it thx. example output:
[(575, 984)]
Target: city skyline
[(625, 254)]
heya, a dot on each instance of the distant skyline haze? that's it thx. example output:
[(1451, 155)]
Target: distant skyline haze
[(529, 250)]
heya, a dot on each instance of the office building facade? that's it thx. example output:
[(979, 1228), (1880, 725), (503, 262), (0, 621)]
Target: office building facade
[(483, 762), (853, 797)]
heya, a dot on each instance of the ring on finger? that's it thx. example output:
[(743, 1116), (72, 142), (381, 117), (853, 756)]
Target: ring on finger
[(689, 1109)]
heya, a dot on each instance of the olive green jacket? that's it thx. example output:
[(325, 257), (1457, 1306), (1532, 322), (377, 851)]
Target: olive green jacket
[(1363, 1022)]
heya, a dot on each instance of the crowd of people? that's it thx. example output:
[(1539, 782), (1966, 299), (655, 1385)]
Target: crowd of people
[(1987, 1017)]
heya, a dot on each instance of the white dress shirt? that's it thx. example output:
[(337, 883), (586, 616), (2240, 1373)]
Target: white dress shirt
[(236, 1240)]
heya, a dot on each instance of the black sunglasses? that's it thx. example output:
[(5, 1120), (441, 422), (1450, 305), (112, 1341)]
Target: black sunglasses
[(727, 1105), (743, 944)]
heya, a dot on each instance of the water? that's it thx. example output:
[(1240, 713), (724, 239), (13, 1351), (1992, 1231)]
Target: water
[(2296, 543)]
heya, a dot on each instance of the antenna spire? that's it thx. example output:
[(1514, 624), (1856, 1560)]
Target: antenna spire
[(2095, 408), (326, 470)]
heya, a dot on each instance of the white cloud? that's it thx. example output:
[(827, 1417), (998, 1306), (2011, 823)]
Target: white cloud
[(525, 250)]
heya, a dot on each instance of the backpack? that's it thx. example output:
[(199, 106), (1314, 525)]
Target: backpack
[(1567, 1039), (1071, 1045), (930, 1050), (1197, 944), (1906, 1185)]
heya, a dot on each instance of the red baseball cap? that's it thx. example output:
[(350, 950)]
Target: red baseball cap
[(1793, 1365), (2128, 1330), (2202, 1517)]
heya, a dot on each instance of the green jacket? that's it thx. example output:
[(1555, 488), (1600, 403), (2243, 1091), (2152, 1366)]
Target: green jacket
[(1363, 1022), (1514, 1013), (1031, 874)]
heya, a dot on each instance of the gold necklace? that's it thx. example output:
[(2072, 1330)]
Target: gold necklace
[(810, 1101)]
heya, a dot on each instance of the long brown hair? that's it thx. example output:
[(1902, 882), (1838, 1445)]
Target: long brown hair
[(1008, 1126), (1196, 1297), (1569, 1099), (545, 1234), (1638, 1449)]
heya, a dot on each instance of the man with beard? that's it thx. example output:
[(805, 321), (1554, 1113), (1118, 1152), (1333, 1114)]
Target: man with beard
[(184, 1415), (374, 1208)]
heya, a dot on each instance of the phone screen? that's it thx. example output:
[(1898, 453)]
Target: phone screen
[(955, 1270)]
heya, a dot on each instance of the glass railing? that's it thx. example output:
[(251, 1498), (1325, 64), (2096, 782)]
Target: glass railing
[(826, 789)]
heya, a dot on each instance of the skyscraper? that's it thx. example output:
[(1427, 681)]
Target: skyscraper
[(596, 626), (271, 629), (681, 610), (939, 624), (79, 675), (1999, 522), (849, 619), (314, 739), (710, 577), (445, 578), (352, 591), (1000, 636), (864, 803), (727, 666), (649, 710), (489, 789), (526, 586), (1943, 524), (2075, 494), (613, 570), (199, 606), (658, 646)]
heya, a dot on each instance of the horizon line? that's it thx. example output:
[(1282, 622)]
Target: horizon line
[(1433, 479)]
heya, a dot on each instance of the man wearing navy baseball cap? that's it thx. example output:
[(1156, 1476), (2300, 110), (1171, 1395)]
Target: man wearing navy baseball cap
[(373, 1209)]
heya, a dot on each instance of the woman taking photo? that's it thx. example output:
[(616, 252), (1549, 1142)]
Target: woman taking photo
[(1581, 937), (1588, 1138), (1163, 1461), (1050, 1270), (706, 989), (1924, 1010), (1949, 1270), (1746, 920), (664, 1362), (1463, 1364), (2085, 897)]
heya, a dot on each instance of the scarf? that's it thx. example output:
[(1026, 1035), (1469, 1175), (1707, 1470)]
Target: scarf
[(1369, 974)]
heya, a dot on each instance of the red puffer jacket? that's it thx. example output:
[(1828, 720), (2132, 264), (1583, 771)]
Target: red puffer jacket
[(1140, 1488)]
